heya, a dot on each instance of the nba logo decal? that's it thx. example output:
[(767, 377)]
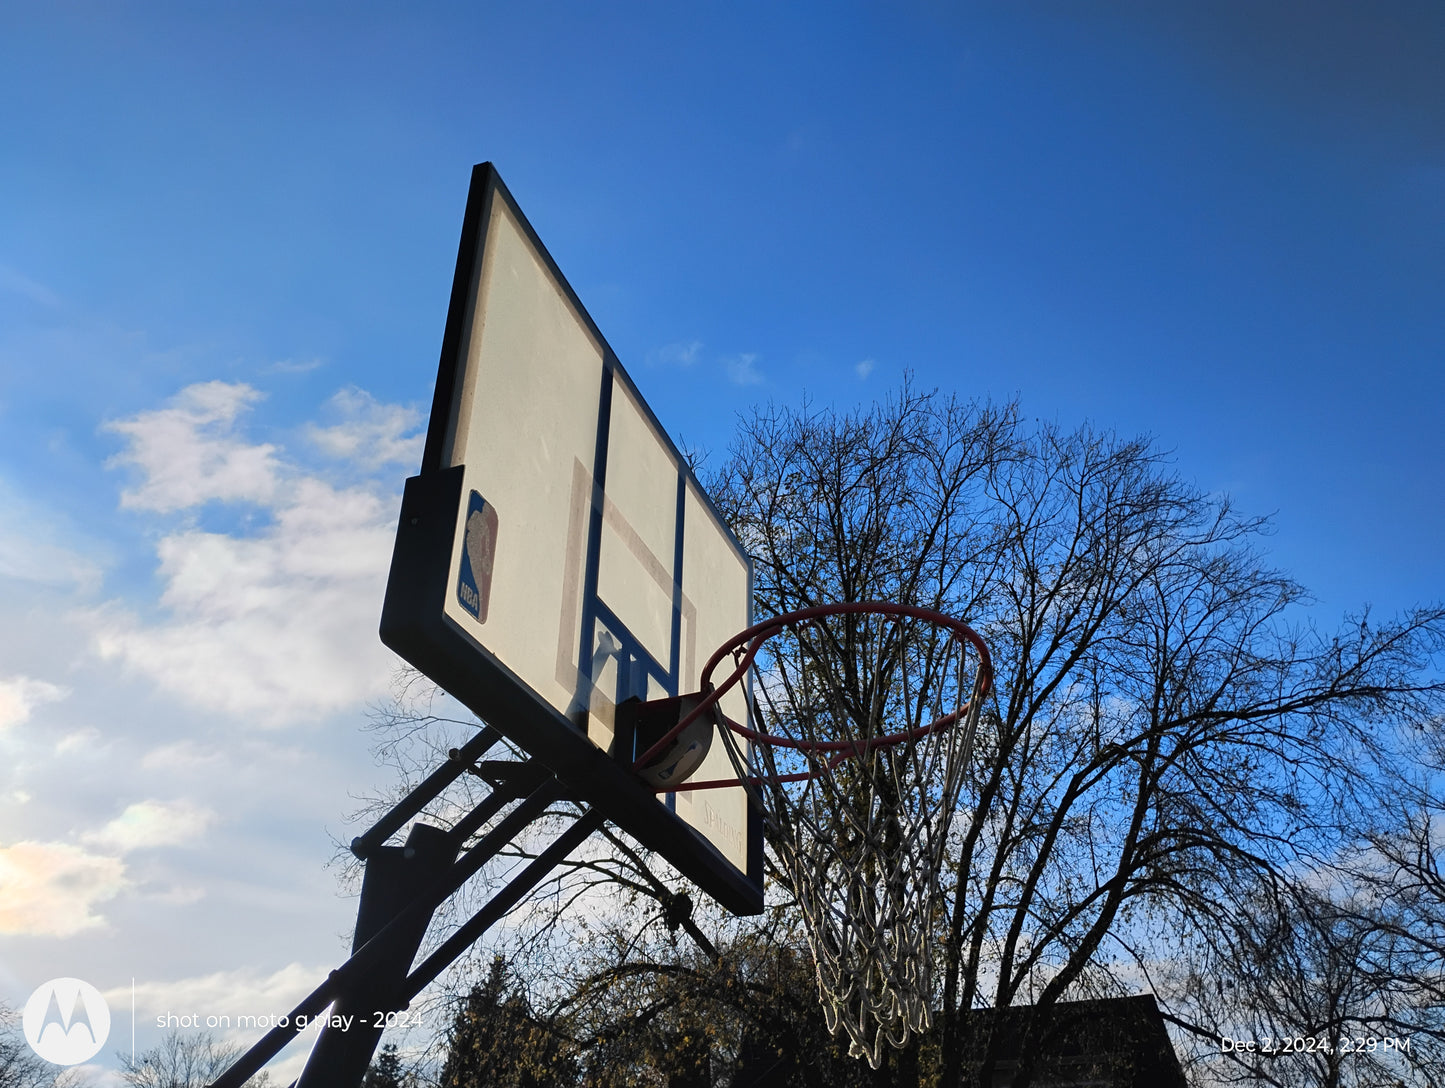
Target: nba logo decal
[(474, 584)]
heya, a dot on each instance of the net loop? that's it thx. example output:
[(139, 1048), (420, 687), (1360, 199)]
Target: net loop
[(862, 719)]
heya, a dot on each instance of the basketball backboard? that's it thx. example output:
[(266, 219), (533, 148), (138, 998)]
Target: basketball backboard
[(556, 556)]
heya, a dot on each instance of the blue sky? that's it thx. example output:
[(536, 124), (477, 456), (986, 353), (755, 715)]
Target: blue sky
[(227, 236)]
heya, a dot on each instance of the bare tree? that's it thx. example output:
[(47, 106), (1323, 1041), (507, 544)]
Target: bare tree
[(184, 1061), (1166, 738), (1336, 967), (20, 1067), (1166, 729), (1304, 992)]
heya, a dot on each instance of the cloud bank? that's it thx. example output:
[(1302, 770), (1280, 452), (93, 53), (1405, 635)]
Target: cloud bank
[(52, 889), (275, 625), (20, 695)]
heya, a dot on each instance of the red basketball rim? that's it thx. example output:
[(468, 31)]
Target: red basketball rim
[(753, 639)]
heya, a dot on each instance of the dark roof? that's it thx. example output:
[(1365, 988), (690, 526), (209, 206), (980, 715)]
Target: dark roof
[(1107, 1043)]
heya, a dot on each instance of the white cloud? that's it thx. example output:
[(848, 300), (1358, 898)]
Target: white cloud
[(15, 283), (51, 889), (153, 823), (35, 546), (85, 739), (682, 353), (295, 366), (863, 368), (244, 991), (370, 433), (189, 454), (742, 369), (242, 1001), (278, 626), (181, 757), (90, 1075), (177, 895), (20, 695)]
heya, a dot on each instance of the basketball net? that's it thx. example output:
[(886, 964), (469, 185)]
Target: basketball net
[(863, 720)]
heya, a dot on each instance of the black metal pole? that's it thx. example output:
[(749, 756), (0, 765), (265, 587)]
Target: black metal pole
[(499, 904), (346, 977), (426, 791), (356, 1020)]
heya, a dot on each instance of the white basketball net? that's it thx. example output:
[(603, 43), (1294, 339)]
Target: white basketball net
[(861, 839)]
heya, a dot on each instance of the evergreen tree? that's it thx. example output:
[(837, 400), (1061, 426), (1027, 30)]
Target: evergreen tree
[(385, 1072), (497, 1041)]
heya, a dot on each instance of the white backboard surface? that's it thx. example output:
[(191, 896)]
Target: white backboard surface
[(587, 561)]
